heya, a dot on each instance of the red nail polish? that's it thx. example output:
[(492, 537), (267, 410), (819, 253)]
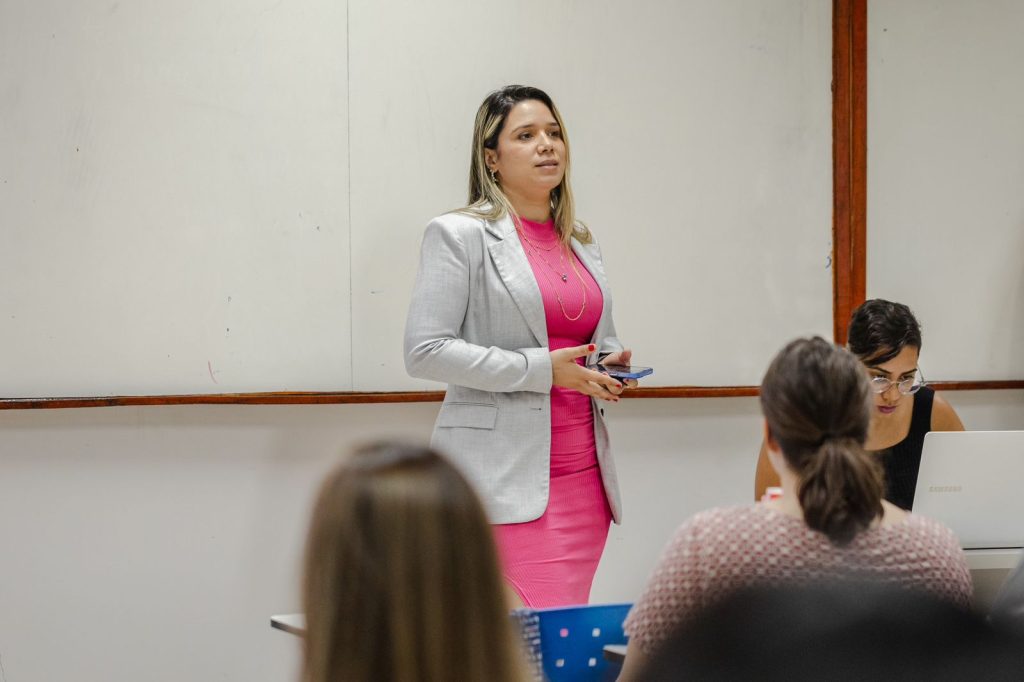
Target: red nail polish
[(591, 348)]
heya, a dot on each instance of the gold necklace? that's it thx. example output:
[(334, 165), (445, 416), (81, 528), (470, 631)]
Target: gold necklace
[(565, 278), (561, 260), (522, 234)]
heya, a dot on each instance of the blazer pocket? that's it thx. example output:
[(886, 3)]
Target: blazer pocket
[(468, 415)]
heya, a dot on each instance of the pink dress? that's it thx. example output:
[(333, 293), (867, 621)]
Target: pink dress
[(551, 561)]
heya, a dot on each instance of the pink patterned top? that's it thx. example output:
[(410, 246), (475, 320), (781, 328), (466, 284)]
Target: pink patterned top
[(721, 550)]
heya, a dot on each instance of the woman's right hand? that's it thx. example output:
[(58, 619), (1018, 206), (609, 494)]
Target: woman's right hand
[(567, 373)]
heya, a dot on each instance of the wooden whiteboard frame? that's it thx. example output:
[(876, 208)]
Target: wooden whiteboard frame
[(849, 249), (850, 173)]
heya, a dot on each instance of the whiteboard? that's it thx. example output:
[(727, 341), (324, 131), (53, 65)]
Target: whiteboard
[(173, 204), (228, 196), (701, 143), (945, 213)]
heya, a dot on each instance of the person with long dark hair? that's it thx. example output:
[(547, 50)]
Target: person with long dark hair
[(831, 522), (511, 301), (886, 337)]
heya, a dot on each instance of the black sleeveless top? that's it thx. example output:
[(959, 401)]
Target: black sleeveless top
[(903, 460)]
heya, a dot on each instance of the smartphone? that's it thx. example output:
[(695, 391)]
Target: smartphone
[(623, 371)]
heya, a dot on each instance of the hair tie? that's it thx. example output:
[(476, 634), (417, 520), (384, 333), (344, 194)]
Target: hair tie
[(826, 436)]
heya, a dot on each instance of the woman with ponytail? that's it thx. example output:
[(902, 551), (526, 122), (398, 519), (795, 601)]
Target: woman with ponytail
[(831, 523)]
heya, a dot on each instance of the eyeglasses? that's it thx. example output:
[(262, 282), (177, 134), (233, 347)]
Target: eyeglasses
[(908, 386)]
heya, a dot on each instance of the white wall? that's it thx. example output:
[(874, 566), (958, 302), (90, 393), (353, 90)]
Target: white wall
[(229, 195), (153, 543), (945, 166)]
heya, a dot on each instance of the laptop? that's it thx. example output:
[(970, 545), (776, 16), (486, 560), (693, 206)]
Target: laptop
[(973, 481)]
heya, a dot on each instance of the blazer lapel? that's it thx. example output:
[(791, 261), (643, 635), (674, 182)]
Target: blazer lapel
[(510, 261)]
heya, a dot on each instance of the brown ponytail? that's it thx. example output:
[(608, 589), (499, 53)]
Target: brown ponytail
[(816, 400), (841, 490)]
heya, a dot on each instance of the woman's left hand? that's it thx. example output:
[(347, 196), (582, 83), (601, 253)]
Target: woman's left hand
[(621, 358)]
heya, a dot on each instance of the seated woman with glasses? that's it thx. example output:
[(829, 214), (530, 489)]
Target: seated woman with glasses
[(887, 338), (830, 525)]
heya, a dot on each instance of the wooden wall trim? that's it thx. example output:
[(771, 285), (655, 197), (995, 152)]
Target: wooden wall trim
[(278, 398), (410, 396), (296, 398), (977, 385), (849, 161)]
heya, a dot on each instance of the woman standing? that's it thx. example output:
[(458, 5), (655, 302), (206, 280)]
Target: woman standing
[(510, 297)]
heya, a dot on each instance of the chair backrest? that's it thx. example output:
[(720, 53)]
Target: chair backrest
[(567, 643)]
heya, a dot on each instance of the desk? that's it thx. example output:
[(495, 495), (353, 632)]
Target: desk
[(989, 570), (615, 653), (295, 623)]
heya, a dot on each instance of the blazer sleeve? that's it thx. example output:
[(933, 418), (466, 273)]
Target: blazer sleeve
[(433, 347)]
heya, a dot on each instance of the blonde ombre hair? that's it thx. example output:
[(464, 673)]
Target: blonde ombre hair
[(401, 576), (486, 198)]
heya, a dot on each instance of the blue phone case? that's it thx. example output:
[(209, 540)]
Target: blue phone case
[(624, 372)]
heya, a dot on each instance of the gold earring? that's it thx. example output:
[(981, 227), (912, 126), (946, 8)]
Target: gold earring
[(494, 177)]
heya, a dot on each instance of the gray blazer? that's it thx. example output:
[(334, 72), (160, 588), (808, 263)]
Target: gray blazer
[(476, 322)]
